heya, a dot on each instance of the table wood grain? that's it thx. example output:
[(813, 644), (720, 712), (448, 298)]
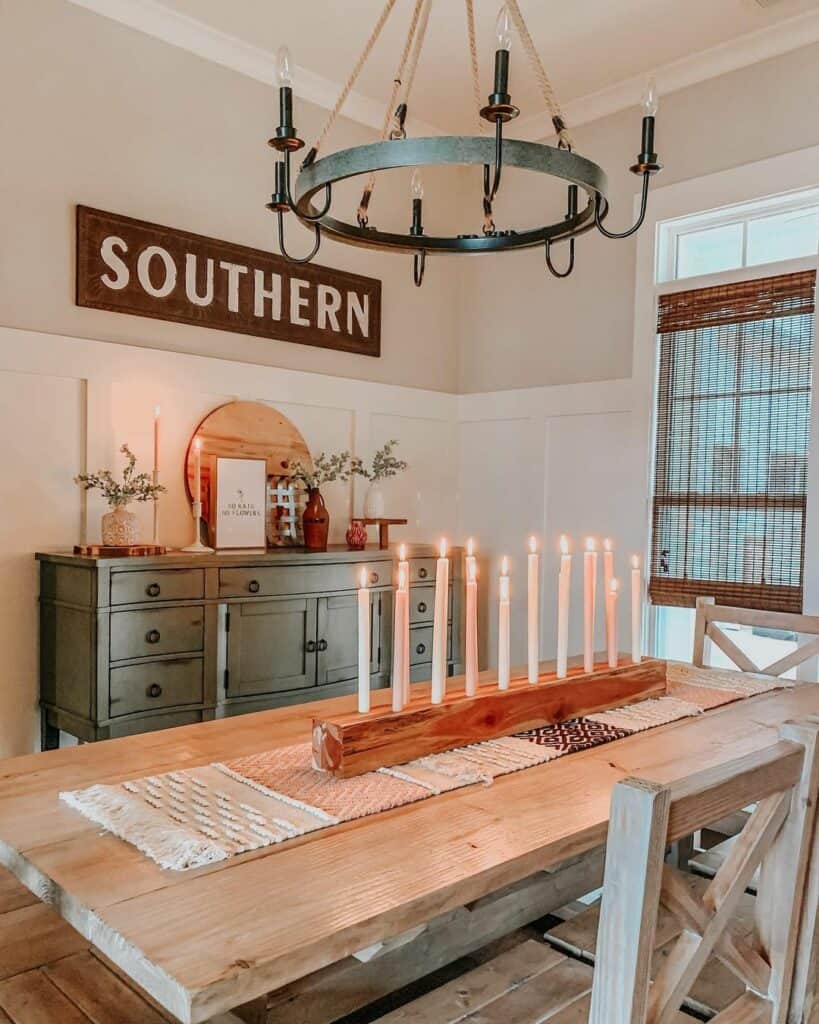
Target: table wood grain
[(203, 941)]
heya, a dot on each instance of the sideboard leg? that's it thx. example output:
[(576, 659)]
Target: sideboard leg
[(49, 734)]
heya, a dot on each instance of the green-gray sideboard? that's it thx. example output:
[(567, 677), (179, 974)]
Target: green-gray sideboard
[(130, 645)]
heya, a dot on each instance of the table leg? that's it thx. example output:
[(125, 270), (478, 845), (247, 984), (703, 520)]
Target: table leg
[(383, 536)]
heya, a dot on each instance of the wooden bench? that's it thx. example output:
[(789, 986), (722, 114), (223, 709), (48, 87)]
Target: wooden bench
[(50, 974), (766, 946)]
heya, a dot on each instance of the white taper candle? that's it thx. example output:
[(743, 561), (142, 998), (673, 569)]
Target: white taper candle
[(564, 584), (611, 622), (504, 639), (439, 626), (636, 611), (471, 624), (363, 643), (533, 586), (400, 640), (589, 597)]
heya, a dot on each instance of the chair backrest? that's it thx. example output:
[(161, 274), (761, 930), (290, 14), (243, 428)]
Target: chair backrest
[(645, 817), (706, 627)]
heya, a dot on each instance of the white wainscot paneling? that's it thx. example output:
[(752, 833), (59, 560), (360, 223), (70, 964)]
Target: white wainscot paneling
[(590, 491), (500, 505), (41, 421), (425, 494)]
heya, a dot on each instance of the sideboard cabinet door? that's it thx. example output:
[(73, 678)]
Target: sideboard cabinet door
[(338, 638), (271, 646)]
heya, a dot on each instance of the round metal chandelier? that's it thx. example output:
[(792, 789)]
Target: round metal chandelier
[(312, 200)]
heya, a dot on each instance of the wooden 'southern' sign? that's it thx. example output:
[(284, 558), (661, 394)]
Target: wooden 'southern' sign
[(131, 266)]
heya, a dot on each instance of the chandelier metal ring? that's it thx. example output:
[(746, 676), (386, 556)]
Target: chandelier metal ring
[(449, 150)]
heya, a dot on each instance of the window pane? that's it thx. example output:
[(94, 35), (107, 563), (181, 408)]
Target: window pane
[(783, 237), (709, 251)]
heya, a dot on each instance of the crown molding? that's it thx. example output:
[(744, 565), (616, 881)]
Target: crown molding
[(761, 44), (191, 34), (155, 19)]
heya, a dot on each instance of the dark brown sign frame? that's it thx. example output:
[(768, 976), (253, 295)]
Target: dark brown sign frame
[(132, 266)]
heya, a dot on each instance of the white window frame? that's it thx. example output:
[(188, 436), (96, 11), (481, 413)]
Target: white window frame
[(715, 195), (671, 230)]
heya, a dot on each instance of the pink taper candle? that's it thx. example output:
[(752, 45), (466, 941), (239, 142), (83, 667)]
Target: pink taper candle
[(533, 584), (363, 643), (636, 611), (504, 639), (439, 627)]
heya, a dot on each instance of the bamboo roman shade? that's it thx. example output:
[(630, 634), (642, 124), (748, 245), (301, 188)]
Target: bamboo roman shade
[(733, 413)]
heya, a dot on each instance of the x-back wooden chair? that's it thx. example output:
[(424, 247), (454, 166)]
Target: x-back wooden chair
[(706, 627), (645, 816)]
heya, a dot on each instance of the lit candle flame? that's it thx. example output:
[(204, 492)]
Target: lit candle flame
[(442, 547), (564, 544), (504, 566), (635, 561), (402, 576), (607, 544), (615, 586), (591, 544), (156, 412), (362, 577), (402, 552), (470, 547), (533, 545), (197, 443)]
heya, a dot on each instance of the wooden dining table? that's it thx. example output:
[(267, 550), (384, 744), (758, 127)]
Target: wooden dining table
[(207, 940)]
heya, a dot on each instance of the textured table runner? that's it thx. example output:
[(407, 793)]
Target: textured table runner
[(185, 819)]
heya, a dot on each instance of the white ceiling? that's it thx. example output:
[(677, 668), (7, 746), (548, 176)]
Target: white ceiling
[(588, 46)]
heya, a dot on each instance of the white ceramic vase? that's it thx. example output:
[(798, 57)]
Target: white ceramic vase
[(119, 527), (374, 502)]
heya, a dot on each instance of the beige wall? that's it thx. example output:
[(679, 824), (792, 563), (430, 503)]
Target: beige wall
[(97, 113), (521, 328)]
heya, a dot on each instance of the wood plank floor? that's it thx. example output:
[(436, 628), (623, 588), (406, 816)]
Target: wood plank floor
[(50, 974)]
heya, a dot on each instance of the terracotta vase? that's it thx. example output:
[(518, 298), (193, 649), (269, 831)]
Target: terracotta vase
[(119, 527), (316, 521), (356, 535)]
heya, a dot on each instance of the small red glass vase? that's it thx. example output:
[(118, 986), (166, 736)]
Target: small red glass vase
[(356, 535)]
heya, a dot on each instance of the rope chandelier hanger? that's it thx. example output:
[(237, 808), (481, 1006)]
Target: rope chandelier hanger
[(396, 149)]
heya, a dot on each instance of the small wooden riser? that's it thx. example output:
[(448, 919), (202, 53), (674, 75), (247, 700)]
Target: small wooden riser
[(353, 743)]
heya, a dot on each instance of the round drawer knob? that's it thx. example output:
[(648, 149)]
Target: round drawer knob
[(322, 645), (152, 636), (152, 590), (422, 607), (154, 690), (423, 573), (310, 646), (254, 587), (373, 577), (420, 648)]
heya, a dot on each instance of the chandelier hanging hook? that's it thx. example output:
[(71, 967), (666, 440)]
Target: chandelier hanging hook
[(551, 266), (571, 214), (283, 250), (309, 217), (601, 209), (419, 262)]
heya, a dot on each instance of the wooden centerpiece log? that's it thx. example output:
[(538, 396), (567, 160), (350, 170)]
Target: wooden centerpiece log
[(353, 743)]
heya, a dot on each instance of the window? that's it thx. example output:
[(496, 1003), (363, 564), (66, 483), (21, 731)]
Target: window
[(733, 413), (746, 235)]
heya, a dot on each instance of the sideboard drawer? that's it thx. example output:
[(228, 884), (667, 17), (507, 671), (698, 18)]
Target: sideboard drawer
[(299, 579), (422, 605), (158, 585), (420, 645), (153, 685), (141, 634), (423, 569)]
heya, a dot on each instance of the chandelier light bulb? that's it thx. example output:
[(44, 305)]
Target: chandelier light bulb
[(651, 99), (284, 68), (503, 30), (417, 185)]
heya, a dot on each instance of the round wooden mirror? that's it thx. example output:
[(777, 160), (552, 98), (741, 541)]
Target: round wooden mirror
[(254, 430)]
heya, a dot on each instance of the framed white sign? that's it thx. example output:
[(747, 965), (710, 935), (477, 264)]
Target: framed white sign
[(239, 503)]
